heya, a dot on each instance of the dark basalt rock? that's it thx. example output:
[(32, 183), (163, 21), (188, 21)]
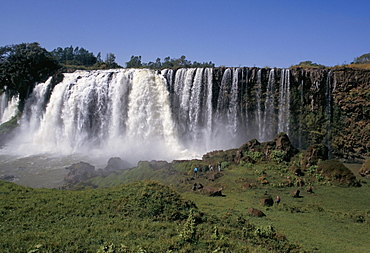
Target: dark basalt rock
[(211, 191), (256, 212), (79, 172), (281, 143), (365, 169), (337, 172), (314, 154), (114, 164)]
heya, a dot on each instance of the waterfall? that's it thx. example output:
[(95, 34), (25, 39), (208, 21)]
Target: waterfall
[(259, 105), (209, 108), (284, 102), (121, 112), (233, 117), (8, 107), (268, 120), (147, 114)]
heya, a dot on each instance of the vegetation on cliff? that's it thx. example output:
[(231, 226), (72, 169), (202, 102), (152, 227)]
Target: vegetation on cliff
[(182, 62), (23, 65)]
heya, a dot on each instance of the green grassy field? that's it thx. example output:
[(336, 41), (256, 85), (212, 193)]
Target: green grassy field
[(125, 213)]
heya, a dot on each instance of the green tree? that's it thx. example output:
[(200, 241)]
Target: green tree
[(167, 63), (365, 58), (110, 61), (75, 56), (135, 62), (23, 65)]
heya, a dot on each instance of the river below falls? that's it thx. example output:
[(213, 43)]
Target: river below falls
[(41, 171)]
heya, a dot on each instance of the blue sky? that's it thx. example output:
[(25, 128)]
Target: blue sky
[(230, 33)]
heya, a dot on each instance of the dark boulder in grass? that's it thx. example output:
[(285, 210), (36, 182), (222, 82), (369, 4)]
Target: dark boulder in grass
[(267, 201), (365, 169), (256, 212), (211, 191), (314, 154), (337, 172), (295, 194)]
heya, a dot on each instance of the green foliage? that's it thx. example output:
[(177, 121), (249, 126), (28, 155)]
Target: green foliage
[(188, 231), (265, 231), (365, 58), (312, 170), (182, 62), (254, 155), (278, 156), (110, 61), (23, 65), (135, 62), (75, 56), (224, 165), (309, 64), (54, 220)]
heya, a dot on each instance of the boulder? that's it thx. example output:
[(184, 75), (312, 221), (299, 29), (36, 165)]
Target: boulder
[(10, 178), (255, 212), (214, 175), (337, 172), (247, 185), (79, 172), (211, 191), (281, 143), (267, 201), (365, 169), (295, 194), (157, 165), (314, 154), (114, 164)]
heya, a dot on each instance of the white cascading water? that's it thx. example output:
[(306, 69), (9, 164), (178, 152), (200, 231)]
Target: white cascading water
[(195, 104), (234, 107), (284, 102), (259, 105), (269, 114), (122, 113), (209, 108), (8, 107), (140, 114)]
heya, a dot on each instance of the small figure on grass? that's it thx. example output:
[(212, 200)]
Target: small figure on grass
[(277, 199)]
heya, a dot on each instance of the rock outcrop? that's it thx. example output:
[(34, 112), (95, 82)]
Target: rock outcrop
[(79, 172), (211, 191), (279, 148), (365, 169), (256, 212), (314, 154), (337, 172), (114, 164)]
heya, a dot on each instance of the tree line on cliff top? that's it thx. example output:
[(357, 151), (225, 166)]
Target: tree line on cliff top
[(23, 65)]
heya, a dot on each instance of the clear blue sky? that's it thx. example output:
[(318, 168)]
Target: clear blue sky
[(232, 33)]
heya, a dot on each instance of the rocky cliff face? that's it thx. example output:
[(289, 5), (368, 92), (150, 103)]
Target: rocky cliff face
[(351, 118), (328, 106)]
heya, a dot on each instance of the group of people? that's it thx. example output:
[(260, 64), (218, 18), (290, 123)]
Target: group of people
[(210, 168)]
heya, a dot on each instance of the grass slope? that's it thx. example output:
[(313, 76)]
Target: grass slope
[(333, 218), (138, 217)]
